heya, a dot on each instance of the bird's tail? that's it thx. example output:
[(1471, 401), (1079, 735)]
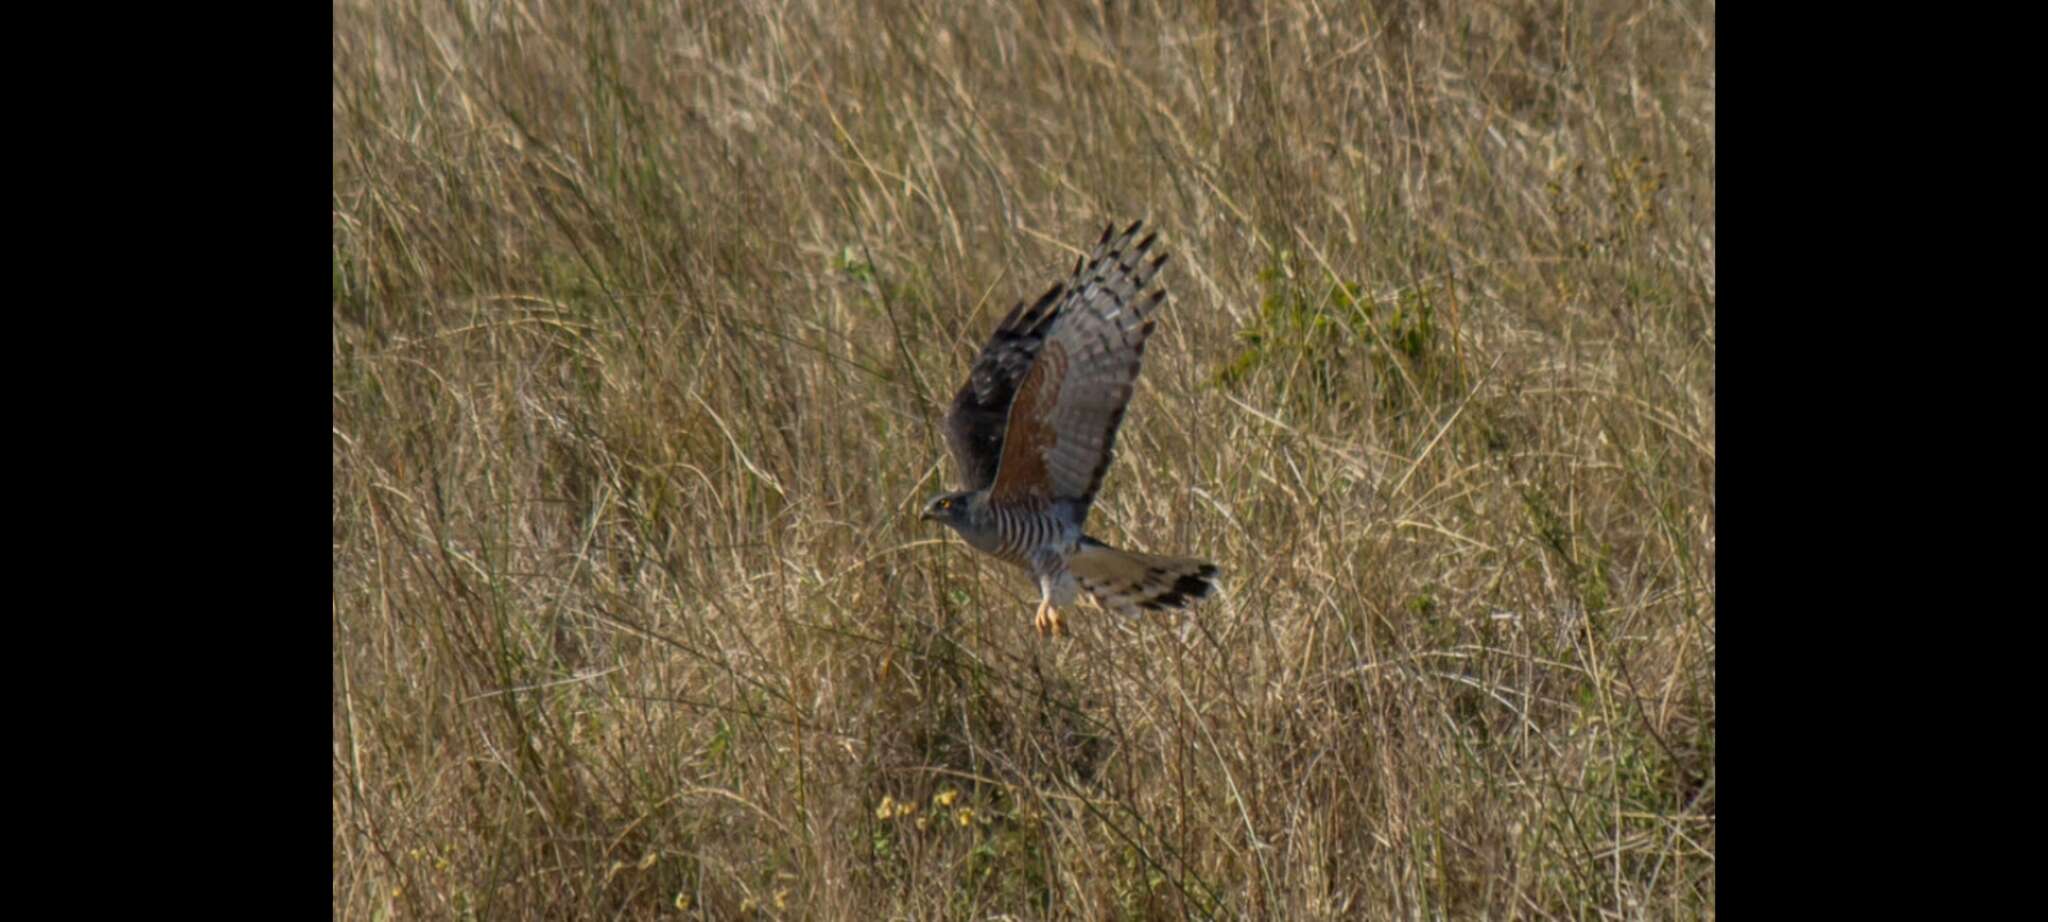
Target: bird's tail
[(1128, 582)]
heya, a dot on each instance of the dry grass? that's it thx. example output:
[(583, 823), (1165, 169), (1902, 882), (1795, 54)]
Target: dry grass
[(644, 319)]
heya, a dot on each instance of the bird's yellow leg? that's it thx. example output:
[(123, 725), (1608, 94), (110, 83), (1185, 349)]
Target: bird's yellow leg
[(1048, 620)]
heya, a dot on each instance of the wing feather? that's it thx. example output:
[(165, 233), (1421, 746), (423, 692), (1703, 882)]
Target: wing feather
[(974, 427), (1061, 431)]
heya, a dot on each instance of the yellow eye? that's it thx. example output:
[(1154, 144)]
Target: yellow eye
[(945, 504)]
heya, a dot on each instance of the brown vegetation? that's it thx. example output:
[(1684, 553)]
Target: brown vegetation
[(645, 317)]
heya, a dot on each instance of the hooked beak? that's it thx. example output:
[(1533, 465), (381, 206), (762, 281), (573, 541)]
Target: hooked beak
[(926, 515)]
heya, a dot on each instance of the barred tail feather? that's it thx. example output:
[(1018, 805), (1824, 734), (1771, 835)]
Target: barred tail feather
[(1128, 582)]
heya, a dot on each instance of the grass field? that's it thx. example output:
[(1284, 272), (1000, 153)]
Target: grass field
[(645, 319)]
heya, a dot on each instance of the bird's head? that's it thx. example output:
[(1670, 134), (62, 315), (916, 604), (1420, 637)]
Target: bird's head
[(950, 509)]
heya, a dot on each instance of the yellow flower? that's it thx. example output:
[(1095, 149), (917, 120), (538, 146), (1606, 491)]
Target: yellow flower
[(887, 809), (905, 809), (782, 898), (946, 797), (966, 817), (683, 901)]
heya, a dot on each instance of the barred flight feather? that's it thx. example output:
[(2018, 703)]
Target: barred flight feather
[(1129, 582)]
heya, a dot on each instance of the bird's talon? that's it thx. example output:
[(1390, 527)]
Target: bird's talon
[(1048, 621)]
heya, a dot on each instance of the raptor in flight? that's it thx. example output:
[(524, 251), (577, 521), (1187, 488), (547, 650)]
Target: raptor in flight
[(1034, 427)]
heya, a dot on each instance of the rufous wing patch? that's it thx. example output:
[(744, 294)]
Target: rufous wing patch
[(1030, 435)]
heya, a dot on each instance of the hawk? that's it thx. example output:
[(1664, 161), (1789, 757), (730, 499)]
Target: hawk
[(1033, 429)]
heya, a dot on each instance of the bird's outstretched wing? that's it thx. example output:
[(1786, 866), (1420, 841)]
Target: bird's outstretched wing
[(1062, 424), (974, 427)]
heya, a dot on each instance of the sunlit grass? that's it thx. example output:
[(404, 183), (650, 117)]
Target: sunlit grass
[(645, 318)]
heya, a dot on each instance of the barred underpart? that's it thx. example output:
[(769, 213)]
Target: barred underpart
[(1020, 532)]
